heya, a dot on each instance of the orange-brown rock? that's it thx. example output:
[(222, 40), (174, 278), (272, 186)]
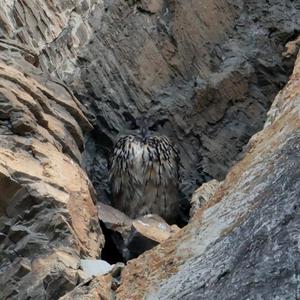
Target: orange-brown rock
[(203, 194), (48, 219), (133, 237), (154, 228), (112, 217), (151, 6), (98, 288)]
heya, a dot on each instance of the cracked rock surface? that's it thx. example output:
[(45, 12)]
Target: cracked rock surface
[(48, 220), (206, 72), (243, 244)]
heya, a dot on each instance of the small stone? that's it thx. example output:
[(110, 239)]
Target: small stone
[(95, 267)]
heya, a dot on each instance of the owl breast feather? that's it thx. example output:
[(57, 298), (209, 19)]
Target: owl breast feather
[(144, 176)]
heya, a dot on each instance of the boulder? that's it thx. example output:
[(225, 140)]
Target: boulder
[(131, 237)]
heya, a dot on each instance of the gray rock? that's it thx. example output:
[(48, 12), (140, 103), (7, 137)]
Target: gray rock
[(207, 74), (259, 259)]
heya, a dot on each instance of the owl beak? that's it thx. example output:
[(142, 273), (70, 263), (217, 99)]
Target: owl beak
[(145, 134)]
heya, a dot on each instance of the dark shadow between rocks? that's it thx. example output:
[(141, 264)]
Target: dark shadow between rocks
[(110, 252)]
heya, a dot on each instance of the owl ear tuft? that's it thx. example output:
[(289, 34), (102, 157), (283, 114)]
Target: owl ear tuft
[(158, 124), (130, 120)]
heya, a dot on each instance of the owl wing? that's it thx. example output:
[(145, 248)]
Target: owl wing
[(162, 160), (161, 173), (144, 176), (123, 173)]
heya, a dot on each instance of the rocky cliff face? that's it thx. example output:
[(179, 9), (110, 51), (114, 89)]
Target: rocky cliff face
[(244, 243), (74, 74), (205, 71), (48, 220)]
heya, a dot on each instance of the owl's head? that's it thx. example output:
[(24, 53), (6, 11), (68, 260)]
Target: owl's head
[(146, 126)]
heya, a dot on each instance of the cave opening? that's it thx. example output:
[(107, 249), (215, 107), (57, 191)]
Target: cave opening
[(110, 252)]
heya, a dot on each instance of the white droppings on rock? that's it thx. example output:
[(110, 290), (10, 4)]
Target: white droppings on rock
[(95, 267)]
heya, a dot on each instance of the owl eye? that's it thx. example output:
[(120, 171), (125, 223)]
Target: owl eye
[(154, 127), (158, 124), (130, 120), (133, 126)]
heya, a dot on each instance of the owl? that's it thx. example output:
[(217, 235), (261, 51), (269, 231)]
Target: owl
[(144, 175)]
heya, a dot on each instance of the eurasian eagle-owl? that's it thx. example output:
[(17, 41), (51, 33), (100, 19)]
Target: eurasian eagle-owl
[(144, 175)]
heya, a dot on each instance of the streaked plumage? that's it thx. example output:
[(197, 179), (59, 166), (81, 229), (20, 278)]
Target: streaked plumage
[(144, 176)]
